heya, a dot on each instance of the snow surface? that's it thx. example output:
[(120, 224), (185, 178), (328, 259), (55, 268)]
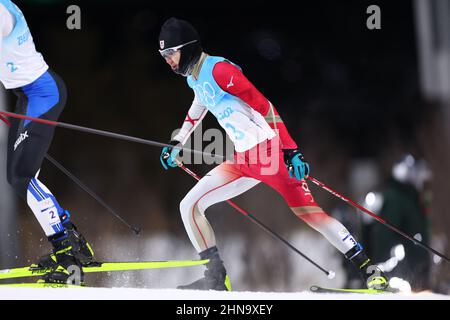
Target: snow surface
[(262, 267), (174, 294), (135, 285)]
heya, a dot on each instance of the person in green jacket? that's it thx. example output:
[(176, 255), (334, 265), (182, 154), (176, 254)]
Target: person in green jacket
[(405, 202)]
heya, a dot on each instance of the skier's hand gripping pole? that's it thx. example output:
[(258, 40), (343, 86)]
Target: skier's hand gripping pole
[(329, 273), (169, 155)]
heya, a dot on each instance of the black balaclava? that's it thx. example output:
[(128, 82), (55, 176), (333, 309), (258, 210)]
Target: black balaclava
[(175, 32)]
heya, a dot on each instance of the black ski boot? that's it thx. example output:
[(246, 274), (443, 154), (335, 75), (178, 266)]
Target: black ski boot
[(371, 274), (215, 278), (70, 253)]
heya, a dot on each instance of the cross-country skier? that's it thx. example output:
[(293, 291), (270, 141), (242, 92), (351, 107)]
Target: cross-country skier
[(41, 93), (253, 124)]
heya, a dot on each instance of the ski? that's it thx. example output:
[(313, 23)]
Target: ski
[(40, 285), (317, 289), (34, 270)]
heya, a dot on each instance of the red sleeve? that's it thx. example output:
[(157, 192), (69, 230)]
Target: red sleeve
[(231, 79), (286, 140)]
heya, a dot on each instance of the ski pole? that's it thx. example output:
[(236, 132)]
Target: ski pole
[(104, 133), (136, 230), (373, 215), (5, 120), (83, 186), (330, 273)]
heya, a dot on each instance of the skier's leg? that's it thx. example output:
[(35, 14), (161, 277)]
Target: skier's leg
[(27, 145), (310, 212), (220, 184), (338, 235), (45, 207), (301, 201)]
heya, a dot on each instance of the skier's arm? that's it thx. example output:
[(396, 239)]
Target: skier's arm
[(3, 13), (193, 118), (233, 81), (6, 24)]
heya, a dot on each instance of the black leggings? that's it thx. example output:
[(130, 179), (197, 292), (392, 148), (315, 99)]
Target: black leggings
[(29, 142)]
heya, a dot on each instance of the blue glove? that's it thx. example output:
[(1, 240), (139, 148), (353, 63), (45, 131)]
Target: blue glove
[(169, 154), (296, 164)]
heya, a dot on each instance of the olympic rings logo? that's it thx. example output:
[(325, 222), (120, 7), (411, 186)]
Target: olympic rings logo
[(206, 93)]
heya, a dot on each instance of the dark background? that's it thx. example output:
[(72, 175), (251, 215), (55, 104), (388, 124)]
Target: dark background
[(346, 94)]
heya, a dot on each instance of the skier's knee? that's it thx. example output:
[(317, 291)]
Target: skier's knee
[(189, 209), (185, 207), (304, 211)]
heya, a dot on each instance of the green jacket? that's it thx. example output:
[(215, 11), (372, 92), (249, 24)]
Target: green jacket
[(403, 208)]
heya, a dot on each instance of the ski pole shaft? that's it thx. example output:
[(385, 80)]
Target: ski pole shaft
[(5, 120), (104, 133), (82, 185), (91, 193), (373, 215), (330, 273)]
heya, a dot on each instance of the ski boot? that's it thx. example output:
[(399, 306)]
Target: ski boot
[(70, 253), (215, 278), (372, 275)]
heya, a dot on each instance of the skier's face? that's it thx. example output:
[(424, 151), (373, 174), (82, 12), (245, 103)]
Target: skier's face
[(173, 60), (172, 55)]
